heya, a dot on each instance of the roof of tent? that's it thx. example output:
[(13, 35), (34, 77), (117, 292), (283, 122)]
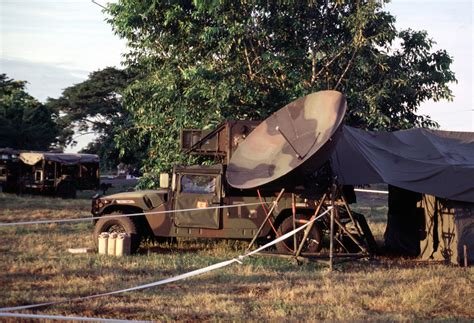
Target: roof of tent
[(434, 162), (31, 158)]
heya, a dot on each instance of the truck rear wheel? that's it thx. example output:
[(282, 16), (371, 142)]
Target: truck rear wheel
[(66, 190), (313, 242), (118, 225)]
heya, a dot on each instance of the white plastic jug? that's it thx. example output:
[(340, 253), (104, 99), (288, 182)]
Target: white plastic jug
[(122, 246), (111, 244), (103, 242)]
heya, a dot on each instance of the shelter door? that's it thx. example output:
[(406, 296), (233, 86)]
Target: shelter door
[(195, 194)]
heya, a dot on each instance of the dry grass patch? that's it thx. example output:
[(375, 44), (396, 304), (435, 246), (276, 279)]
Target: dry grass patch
[(35, 267)]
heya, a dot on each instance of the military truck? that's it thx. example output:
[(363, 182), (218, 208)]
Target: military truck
[(9, 168), (199, 187), (282, 163), (59, 174)]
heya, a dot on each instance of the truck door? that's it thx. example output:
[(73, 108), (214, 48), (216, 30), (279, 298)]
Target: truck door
[(196, 192)]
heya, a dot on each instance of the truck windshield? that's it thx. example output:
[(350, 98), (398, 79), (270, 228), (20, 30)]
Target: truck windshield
[(198, 184)]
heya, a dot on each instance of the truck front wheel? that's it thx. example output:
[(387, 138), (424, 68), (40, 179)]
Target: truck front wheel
[(312, 244), (118, 225)]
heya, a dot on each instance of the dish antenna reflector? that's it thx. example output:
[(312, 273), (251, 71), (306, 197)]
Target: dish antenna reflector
[(289, 145)]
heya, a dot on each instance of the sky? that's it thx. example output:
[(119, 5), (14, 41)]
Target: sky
[(449, 24), (54, 44)]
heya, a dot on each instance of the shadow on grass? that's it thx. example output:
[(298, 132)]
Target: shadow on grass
[(170, 250)]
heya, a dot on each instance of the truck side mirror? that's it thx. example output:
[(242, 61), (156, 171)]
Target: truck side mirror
[(173, 182), (164, 180)]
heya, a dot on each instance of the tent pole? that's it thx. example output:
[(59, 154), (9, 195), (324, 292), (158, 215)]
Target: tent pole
[(331, 236), (293, 209), (465, 256)]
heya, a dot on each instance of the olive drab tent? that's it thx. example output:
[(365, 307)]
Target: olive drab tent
[(420, 166), (440, 163), (449, 228)]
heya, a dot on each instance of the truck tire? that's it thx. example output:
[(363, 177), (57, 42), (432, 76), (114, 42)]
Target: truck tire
[(66, 190), (118, 225), (314, 240)]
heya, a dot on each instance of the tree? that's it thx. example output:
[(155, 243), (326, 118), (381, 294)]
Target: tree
[(25, 123), (94, 106), (200, 62)]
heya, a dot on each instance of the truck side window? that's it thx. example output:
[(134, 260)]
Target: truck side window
[(38, 175), (198, 184)]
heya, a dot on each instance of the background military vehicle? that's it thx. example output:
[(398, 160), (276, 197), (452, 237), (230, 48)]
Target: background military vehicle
[(50, 173), (59, 174), (9, 168), (255, 162)]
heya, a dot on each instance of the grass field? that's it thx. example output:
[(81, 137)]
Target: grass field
[(35, 267)]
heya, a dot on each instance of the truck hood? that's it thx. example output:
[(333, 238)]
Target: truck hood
[(155, 196), (135, 194)]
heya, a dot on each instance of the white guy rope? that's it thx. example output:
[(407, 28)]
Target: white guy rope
[(370, 191), (64, 318), (175, 278), (89, 218)]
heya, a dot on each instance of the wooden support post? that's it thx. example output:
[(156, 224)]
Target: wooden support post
[(266, 218)]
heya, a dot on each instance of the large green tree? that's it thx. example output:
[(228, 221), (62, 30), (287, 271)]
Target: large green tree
[(26, 123), (94, 106), (202, 61)]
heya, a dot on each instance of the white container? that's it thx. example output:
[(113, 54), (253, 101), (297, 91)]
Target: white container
[(122, 246), (80, 250), (164, 180), (111, 244), (103, 242)]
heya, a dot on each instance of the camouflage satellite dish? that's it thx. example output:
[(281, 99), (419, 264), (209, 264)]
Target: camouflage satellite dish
[(290, 144)]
